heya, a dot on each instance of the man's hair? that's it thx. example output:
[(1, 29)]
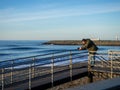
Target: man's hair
[(83, 39)]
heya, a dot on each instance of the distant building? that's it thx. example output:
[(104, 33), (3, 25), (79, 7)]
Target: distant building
[(117, 38), (95, 39)]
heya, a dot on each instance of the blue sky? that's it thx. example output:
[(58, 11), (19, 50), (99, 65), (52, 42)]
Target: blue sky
[(59, 19)]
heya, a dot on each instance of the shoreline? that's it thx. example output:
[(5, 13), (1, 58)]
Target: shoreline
[(78, 42)]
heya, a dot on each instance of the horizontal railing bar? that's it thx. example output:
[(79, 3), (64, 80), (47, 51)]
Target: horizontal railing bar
[(41, 64), (36, 60), (54, 72), (62, 51), (37, 56)]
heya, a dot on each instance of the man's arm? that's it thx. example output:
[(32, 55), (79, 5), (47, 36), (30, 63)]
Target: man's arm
[(86, 45)]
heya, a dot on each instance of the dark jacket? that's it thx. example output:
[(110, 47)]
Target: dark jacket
[(90, 46)]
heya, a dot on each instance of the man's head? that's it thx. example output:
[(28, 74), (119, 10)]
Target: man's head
[(83, 41)]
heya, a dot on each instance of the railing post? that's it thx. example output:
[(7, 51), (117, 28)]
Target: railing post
[(89, 66), (111, 64), (102, 63), (2, 78), (33, 67), (30, 66), (12, 62), (70, 66), (52, 70)]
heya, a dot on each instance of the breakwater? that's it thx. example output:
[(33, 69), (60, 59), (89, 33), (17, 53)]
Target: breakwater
[(78, 42)]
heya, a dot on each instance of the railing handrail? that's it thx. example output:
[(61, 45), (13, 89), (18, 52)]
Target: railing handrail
[(39, 61), (28, 59), (57, 51), (106, 62), (11, 68)]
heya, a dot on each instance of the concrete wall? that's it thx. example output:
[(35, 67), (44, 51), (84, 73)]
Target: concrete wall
[(78, 42)]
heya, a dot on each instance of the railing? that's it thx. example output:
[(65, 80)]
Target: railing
[(108, 62), (50, 67), (29, 69)]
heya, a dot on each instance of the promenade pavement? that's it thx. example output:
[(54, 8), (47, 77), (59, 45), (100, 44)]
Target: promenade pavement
[(110, 84)]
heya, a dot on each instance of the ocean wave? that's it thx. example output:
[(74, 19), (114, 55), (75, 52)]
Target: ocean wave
[(21, 48), (4, 54), (9, 45)]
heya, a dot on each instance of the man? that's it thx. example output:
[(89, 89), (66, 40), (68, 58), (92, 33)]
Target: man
[(91, 47)]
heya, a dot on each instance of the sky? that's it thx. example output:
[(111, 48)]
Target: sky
[(59, 19)]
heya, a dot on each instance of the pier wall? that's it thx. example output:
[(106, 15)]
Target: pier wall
[(78, 42)]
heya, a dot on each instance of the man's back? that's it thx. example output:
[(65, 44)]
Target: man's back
[(90, 45)]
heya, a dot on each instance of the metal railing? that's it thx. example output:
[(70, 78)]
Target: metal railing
[(50, 67), (29, 69), (108, 62)]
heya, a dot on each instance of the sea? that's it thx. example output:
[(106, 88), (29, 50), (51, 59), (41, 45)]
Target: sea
[(13, 49)]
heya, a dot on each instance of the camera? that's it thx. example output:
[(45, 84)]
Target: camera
[(78, 48)]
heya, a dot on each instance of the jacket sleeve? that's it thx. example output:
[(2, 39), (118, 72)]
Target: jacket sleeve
[(83, 47)]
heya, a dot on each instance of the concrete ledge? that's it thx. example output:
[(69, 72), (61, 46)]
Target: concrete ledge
[(78, 42), (110, 84)]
